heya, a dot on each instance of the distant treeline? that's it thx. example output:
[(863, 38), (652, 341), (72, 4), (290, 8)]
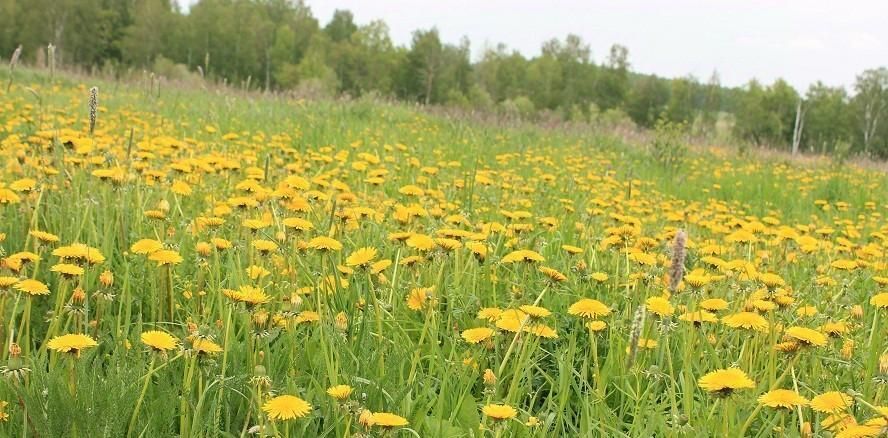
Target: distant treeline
[(280, 45)]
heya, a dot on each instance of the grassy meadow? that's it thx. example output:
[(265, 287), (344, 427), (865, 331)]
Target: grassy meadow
[(208, 263)]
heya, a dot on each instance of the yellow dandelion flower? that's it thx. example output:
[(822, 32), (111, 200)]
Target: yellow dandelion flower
[(782, 398), (32, 287), (324, 243), (589, 308), (386, 420), (806, 336), (499, 412), (158, 340), (146, 246), (286, 407), (165, 257), (725, 381), (832, 402), (71, 343), (747, 320), (339, 392), (362, 257), (477, 335)]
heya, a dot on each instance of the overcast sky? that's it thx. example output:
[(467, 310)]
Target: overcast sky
[(800, 40)]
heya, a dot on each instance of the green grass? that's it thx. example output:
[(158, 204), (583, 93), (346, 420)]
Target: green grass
[(412, 363)]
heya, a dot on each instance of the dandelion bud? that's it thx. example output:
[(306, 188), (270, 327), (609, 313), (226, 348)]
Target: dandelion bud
[(15, 350), (366, 418), (261, 354), (676, 269), (341, 321), (163, 205), (203, 248), (93, 108), (806, 431), (857, 312), (260, 318), (847, 349), (78, 295), (106, 278), (219, 323), (489, 377), (883, 364), (581, 266), (192, 328), (93, 323)]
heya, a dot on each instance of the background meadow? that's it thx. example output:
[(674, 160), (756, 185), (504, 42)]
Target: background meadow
[(290, 247)]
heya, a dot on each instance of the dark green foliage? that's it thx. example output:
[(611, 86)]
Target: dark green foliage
[(280, 45)]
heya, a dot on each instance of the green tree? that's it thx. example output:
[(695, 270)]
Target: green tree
[(612, 82), (147, 36), (647, 101), (342, 26), (871, 106), (827, 118), (753, 120), (680, 108)]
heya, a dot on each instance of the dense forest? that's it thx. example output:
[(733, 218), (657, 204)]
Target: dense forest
[(279, 45)]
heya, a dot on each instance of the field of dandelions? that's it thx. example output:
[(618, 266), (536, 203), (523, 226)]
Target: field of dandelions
[(199, 263)]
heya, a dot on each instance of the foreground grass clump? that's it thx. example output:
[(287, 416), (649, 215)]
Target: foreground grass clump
[(210, 265)]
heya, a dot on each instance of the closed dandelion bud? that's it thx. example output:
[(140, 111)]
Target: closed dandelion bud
[(366, 418), (883, 364), (78, 295), (106, 278), (341, 321), (857, 311), (93, 108), (581, 266), (192, 328), (382, 279), (806, 431), (847, 349), (93, 324), (489, 377), (261, 354), (676, 269), (219, 323), (281, 236), (203, 248), (163, 205), (260, 317), (15, 350)]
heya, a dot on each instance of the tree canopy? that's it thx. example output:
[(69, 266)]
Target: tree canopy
[(281, 45)]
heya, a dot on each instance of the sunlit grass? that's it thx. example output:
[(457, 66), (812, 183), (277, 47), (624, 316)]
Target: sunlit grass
[(251, 264)]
